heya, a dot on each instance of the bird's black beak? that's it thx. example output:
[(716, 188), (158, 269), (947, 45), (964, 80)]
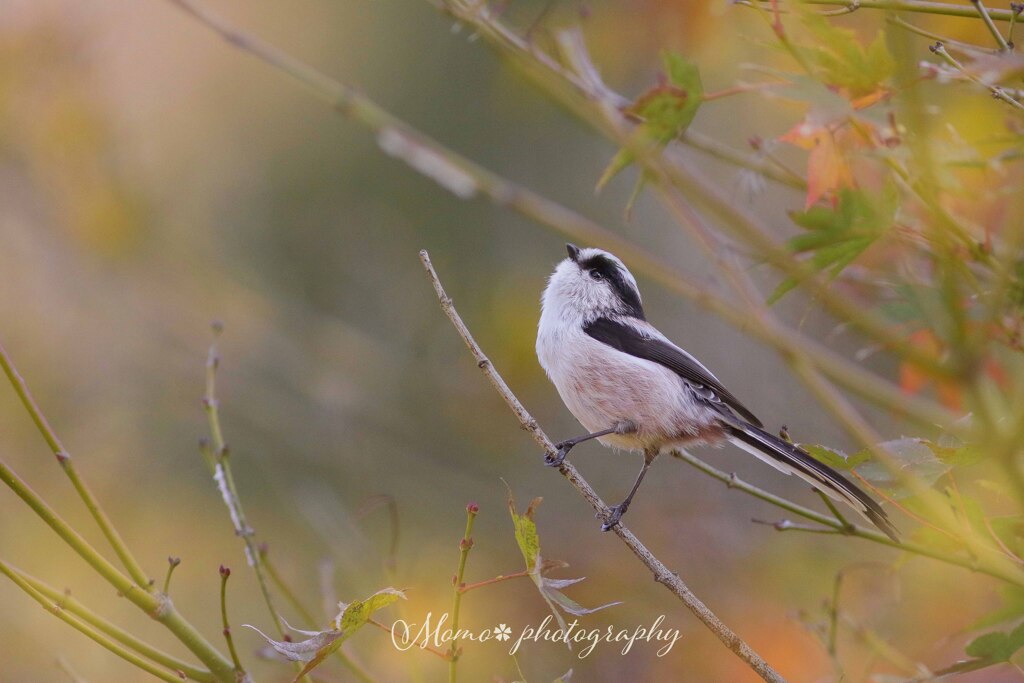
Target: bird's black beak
[(574, 251)]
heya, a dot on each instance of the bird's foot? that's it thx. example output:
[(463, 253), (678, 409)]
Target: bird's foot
[(614, 516), (555, 459)]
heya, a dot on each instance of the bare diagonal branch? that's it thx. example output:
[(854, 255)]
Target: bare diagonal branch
[(661, 573)]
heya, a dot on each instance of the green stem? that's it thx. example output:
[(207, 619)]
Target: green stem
[(225, 479), (764, 167), (67, 602), (1016, 8), (990, 25), (159, 607), (833, 509), (896, 20), (734, 482), (78, 624), (917, 6), (172, 564), (64, 458), (465, 545), (225, 573)]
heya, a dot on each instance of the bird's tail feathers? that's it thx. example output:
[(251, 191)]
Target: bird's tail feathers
[(792, 459)]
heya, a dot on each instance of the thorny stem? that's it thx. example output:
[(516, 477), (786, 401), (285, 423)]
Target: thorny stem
[(68, 603), (361, 109), (64, 458), (661, 573), (734, 482), (465, 545)]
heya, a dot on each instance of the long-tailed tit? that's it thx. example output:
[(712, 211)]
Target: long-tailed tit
[(632, 388)]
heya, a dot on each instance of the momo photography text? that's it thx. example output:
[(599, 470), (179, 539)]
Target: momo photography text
[(437, 632)]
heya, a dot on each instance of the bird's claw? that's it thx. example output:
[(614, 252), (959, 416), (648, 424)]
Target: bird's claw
[(613, 518), (555, 459)]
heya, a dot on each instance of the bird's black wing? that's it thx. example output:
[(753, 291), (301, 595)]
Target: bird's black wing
[(629, 339)]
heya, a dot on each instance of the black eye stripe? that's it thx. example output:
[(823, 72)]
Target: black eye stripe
[(611, 272)]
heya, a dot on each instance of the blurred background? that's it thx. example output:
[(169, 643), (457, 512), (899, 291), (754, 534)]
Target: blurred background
[(153, 180)]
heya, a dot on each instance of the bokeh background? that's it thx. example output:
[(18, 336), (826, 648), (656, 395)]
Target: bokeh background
[(152, 180)]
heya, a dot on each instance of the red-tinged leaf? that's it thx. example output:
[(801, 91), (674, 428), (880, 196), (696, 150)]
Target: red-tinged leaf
[(913, 379), (827, 167)]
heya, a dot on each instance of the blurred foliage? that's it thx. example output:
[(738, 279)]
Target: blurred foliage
[(152, 180)]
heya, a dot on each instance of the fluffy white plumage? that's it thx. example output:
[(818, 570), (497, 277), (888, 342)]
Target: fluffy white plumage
[(621, 377)]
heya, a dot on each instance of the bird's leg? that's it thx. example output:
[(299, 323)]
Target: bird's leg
[(554, 460), (620, 509)]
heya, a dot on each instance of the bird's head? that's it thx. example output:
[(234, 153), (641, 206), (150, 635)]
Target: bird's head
[(592, 283)]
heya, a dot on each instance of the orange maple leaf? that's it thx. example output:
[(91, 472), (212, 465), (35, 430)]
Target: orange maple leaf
[(827, 167)]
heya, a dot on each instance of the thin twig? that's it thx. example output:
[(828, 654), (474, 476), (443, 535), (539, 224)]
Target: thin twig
[(172, 564), (465, 588), (93, 634), (158, 607), (581, 90), (1016, 8), (465, 545), (66, 464), (733, 482), (990, 25), (225, 573), (68, 603), (358, 107), (223, 476), (997, 92), (789, 525), (661, 573), (897, 20), (834, 510), (916, 6)]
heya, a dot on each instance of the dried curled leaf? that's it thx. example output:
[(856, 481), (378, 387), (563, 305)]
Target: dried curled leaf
[(321, 644)]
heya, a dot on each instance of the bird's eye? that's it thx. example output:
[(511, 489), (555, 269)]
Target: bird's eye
[(596, 274)]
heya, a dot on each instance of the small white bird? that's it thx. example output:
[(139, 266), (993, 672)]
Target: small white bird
[(632, 388)]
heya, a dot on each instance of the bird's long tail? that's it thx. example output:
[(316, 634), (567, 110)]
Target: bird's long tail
[(791, 459)]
